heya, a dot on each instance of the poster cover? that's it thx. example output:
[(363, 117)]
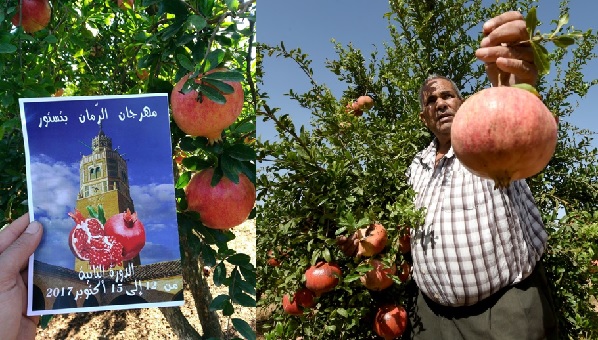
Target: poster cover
[(100, 180)]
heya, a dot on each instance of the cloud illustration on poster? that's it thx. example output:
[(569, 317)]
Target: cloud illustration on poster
[(56, 184)]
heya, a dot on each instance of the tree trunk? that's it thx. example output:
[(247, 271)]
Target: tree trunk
[(179, 324), (210, 322)]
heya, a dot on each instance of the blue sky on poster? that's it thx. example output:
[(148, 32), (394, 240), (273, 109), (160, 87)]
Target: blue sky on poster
[(312, 24), (56, 147)]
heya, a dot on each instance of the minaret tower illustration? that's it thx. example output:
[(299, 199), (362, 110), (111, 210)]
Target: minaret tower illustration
[(103, 180)]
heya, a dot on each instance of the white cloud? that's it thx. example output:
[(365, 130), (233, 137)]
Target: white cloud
[(55, 186)]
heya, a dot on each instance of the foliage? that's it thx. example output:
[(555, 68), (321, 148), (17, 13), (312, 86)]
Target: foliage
[(95, 47), (344, 172)]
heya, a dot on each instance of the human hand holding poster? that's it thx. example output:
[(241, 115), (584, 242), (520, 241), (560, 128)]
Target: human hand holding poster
[(100, 180)]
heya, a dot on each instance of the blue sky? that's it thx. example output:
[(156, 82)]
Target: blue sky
[(56, 148), (312, 24)]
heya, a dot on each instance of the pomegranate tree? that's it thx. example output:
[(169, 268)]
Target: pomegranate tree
[(202, 116), (88, 242), (378, 278), (372, 240), (322, 277), (35, 15), (390, 321), (504, 133), (223, 206), (128, 231)]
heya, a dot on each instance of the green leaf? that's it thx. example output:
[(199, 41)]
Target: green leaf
[(212, 94), (208, 255), (183, 180), (230, 168), (7, 48), (238, 259), (562, 21), (563, 41), (219, 302), (51, 39), (185, 62), (228, 309), (197, 21), (541, 58), (528, 88), (326, 255), (531, 22), (196, 163), (225, 75), (243, 328), (219, 85), (219, 274), (213, 59), (244, 300), (241, 152), (232, 5)]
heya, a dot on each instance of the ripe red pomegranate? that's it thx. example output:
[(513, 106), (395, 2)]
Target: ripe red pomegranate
[(89, 243), (204, 117), (36, 15), (121, 4), (365, 102), (322, 277), (390, 321), (128, 231), (504, 133), (405, 242), (223, 206), (372, 240), (377, 278), (305, 298), (405, 271), (289, 307)]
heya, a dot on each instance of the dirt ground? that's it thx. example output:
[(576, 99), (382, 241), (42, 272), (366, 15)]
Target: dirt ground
[(149, 323)]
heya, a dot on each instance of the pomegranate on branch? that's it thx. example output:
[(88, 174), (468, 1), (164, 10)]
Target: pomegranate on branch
[(372, 240), (390, 321), (378, 278), (201, 116), (34, 15), (223, 206), (322, 277)]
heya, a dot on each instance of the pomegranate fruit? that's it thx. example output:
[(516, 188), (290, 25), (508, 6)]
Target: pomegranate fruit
[(390, 321), (372, 240), (128, 231), (378, 278), (223, 206), (365, 102), (305, 298), (289, 307), (405, 271), (89, 243), (504, 133), (405, 242), (36, 15), (122, 5), (353, 108), (322, 277), (204, 117)]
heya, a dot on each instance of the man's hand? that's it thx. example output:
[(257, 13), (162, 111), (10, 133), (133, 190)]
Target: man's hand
[(17, 242), (348, 245), (504, 52)]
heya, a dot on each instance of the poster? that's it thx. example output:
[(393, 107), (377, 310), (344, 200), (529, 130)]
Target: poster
[(100, 180)]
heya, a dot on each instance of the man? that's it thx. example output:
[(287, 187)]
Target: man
[(476, 259)]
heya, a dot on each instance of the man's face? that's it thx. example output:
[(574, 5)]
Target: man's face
[(441, 102)]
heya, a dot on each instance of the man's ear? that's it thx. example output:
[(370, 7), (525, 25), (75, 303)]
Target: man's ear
[(421, 117)]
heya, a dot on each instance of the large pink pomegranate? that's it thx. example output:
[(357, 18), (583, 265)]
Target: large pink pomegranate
[(204, 117), (372, 240), (390, 321), (89, 243), (504, 133), (223, 206), (36, 15), (322, 277), (128, 231), (378, 278)]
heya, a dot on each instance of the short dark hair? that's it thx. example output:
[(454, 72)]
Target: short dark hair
[(432, 77)]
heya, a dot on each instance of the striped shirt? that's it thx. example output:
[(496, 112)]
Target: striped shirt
[(475, 239)]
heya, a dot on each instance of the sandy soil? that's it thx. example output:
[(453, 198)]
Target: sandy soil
[(149, 323)]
